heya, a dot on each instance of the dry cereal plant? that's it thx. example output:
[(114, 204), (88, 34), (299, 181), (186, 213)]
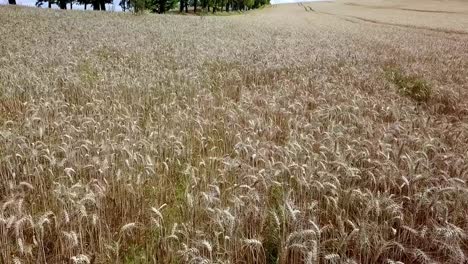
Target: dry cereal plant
[(320, 132)]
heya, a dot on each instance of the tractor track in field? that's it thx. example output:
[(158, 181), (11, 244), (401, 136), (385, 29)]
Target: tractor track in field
[(356, 19), (404, 9)]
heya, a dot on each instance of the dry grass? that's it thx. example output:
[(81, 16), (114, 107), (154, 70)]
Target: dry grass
[(271, 137)]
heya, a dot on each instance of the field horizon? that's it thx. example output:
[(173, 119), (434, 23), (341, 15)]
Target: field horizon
[(318, 132)]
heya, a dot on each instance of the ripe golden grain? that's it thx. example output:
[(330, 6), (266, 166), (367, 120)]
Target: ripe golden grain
[(277, 136)]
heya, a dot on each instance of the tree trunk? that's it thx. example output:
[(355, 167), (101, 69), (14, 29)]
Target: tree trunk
[(85, 6), (227, 6), (49, 3), (62, 4), (71, 5), (195, 6), (102, 3), (181, 6), (162, 6), (186, 6), (12, 2), (96, 5)]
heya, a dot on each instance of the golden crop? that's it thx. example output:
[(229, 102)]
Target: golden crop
[(308, 133)]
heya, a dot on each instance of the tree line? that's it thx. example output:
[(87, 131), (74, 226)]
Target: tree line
[(159, 6)]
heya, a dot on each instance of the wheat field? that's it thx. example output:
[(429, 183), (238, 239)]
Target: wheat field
[(325, 132)]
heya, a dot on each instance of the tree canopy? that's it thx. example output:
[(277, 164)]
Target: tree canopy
[(62, 4), (161, 6)]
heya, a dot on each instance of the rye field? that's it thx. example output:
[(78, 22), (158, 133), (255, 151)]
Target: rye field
[(324, 132)]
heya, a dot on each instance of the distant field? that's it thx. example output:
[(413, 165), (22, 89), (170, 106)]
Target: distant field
[(332, 132)]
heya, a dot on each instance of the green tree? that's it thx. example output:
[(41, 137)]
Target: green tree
[(249, 4), (100, 4), (85, 3), (138, 5), (161, 6), (214, 4), (204, 4), (183, 4), (195, 3), (62, 4), (124, 4)]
